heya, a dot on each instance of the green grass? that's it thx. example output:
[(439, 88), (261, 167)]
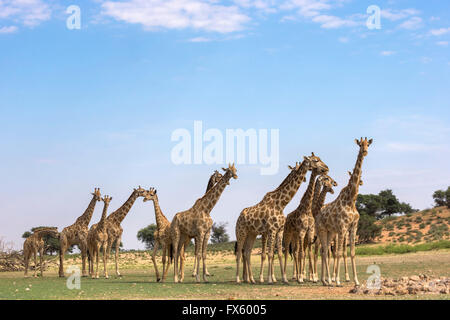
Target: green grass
[(139, 283), (402, 248)]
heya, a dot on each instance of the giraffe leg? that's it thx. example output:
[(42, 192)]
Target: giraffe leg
[(347, 277), (105, 261), (312, 275), (339, 244), (239, 245), (83, 249), (301, 256), (270, 246), (27, 257), (294, 248), (35, 263), (164, 261), (204, 254), (41, 262), (323, 235), (119, 239), (198, 250), (155, 250), (315, 255), (205, 246), (175, 245), (247, 258), (186, 244), (263, 257), (97, 254), (334, 252), (352, 251), (62, 250), (280, 257)]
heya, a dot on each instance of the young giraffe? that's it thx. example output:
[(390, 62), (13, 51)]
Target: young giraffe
[(300, 225), (76, 234), (34, 244), (341, 217), (114, 220), (215, 177), (162, 234), (319, 199), (98, 238), (267, 218), (196, 223), (334, 247)]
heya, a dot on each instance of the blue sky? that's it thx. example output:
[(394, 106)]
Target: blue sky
[(96, 107)]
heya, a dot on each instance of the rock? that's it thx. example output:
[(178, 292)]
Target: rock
[(414, 278)]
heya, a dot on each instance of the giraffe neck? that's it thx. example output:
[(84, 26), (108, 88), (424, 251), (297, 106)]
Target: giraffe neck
[(160, 218), (320, 201), (288, 188), (317, 192), (120, 214), (305, 205), (101, 224), (85, 218), (209, 200), (350, 192)]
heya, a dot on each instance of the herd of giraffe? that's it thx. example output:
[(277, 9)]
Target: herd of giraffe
[(312, 223)]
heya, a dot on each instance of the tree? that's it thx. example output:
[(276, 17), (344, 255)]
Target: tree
[(442, 198), (367, 229), (373, 207), (51, 244), (219, 233), (147, 235)]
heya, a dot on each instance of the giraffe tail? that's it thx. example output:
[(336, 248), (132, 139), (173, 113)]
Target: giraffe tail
[(235, 248), (171, 253)]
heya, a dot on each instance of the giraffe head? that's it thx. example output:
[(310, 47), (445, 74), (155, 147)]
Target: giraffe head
[(297, 166), (314, 162), (364, 145), (216, 176), (96, 194), (328, 183), (232, 170), (360, 181), (106, 199), (150, 195), (140, 191)]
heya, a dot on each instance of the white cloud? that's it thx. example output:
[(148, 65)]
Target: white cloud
[(426, 60), (442, 43), (440, 32), (177, 14), (387, 53), (333, 22), (268, 6), (10, 29), (395, 15), (200, 39), (343, 40), (412, 23), (27, 12)]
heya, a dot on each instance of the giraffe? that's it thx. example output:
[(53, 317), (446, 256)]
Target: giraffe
[(341, 217), (196, 223), (162, 234), (327, 184), (98, 238), (264, 245), (267, 218), (76, 234), (215, 177), (34, 244), (300, 225), (333, 249), (114, 220)]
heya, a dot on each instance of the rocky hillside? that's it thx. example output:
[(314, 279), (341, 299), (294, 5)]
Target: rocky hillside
[(423, 226)]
